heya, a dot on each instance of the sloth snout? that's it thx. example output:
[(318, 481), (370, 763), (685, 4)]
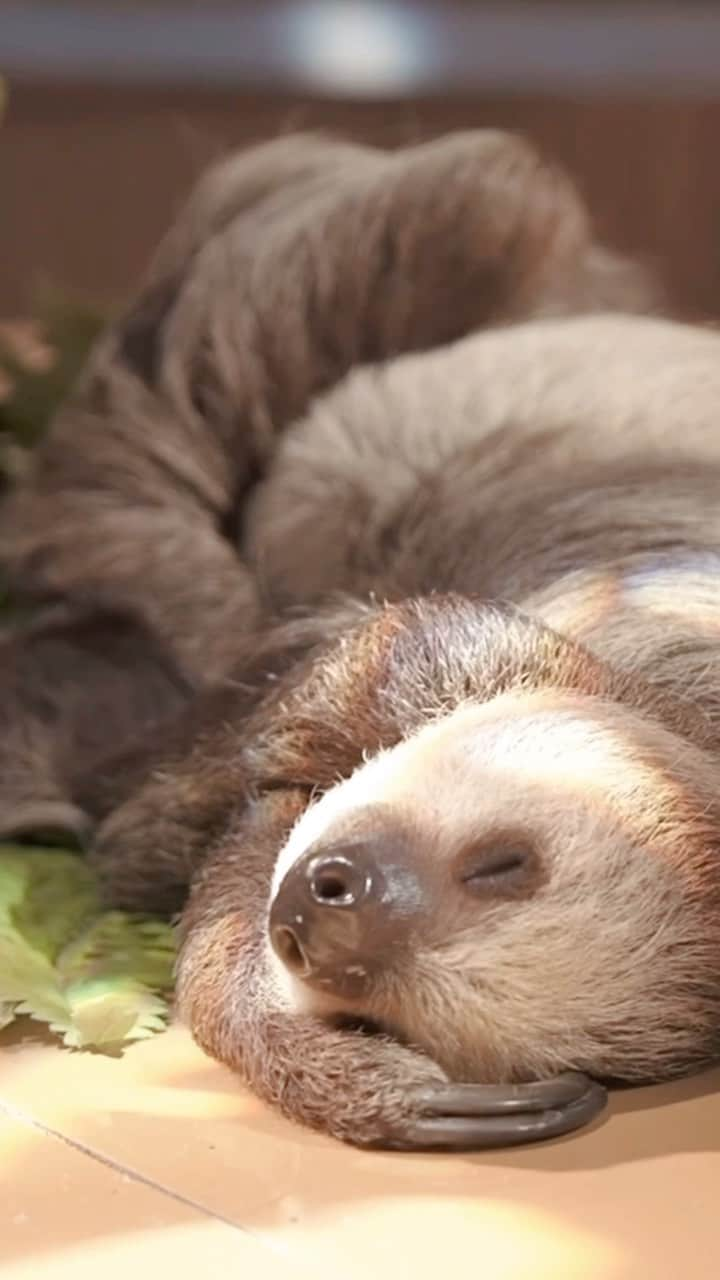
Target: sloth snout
[(338, 914)]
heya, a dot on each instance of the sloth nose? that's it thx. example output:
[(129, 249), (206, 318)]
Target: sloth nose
[(338, 912)]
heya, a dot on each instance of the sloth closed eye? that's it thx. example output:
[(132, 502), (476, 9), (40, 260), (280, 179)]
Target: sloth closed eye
[(503, 864)]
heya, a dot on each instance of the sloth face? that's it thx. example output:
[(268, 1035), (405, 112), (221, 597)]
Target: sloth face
[(516, 888)]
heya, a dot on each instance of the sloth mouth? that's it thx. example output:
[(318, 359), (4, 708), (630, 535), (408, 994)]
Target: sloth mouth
[(359, 1024), (352, 982), (371, 1026)]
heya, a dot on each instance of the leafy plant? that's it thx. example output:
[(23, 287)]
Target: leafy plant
[(96, 978)]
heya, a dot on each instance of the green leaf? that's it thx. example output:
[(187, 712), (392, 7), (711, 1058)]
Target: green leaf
[(94, 977), (46, 895), (7, 1014), (22, 969), (117, 945), (113, 1011)]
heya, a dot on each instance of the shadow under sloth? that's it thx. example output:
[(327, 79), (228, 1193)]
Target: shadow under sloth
[(439, 847)]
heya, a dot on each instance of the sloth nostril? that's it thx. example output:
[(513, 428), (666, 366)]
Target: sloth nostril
[(329, 887), (288, 949), (336, 881)]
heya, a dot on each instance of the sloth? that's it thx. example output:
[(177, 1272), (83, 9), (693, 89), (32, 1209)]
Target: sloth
[(374, 570)]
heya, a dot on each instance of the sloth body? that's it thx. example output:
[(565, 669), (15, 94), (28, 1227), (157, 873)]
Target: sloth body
[(568, 468), (451, 762)]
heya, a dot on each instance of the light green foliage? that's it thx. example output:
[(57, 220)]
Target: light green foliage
[(97, 978)]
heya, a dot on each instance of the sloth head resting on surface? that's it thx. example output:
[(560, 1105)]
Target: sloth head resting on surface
[(452, 819)]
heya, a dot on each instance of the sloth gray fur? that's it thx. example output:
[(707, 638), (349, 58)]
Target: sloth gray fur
[(379, 517)]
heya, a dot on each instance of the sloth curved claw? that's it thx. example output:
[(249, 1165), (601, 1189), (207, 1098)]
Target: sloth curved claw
[(477, 1117)]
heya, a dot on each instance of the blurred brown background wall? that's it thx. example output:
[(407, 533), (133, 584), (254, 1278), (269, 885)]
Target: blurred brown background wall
[(90, 173)]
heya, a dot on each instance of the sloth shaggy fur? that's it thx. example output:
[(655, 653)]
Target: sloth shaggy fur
[(388, 510)]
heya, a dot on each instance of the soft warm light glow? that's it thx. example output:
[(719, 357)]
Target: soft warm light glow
[(168, 1077), (206, 1248), (507, 1241), (355, 47)]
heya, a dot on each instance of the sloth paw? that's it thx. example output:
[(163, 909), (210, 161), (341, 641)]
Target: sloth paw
[(476, 1117)]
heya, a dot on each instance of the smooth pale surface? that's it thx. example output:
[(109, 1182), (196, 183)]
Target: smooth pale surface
[(62, 1213), (159, 1158)]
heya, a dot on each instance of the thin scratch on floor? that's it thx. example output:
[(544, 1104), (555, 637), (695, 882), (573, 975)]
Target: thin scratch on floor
[(21, 1117)]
